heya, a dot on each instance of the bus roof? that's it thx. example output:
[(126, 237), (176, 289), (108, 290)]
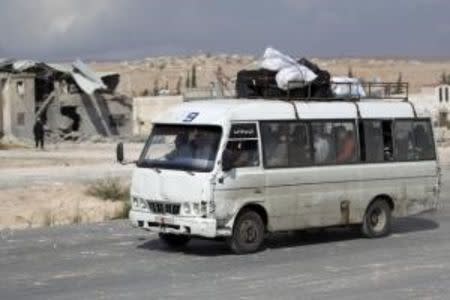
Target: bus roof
[(218, 112)]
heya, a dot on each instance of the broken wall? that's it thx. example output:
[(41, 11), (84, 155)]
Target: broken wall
[(88, 115), (72, 100), (120, 110), (2, 84), (18, 105), (147, 109)]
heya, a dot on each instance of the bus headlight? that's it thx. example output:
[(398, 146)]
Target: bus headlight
[(204, 207), (196, 208), (142, 203), (134, 202), (187, 208)]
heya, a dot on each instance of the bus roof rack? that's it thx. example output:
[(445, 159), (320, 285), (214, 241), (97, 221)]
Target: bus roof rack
[(299, 91), (334, 91)]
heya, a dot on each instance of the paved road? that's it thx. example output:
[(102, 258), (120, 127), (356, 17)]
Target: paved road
[(113, 261)]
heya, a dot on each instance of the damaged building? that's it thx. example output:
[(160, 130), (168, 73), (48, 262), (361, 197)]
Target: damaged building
[(73, 101)]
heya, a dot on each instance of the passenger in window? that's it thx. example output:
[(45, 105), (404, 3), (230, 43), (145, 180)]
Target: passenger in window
[(346, 146), (203, 145), (279, 155), (373, 138), (388, 149), (424, 148), (404, 145), (321, 148), (270, 132), (242, 153), (183, 149), (298, 151)]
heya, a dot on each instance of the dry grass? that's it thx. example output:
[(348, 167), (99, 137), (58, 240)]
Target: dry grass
[(112, 189), (10, 146), (109, 189), (59, 204), (123, 214)]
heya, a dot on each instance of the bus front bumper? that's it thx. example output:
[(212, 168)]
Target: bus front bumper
[(195, 226)]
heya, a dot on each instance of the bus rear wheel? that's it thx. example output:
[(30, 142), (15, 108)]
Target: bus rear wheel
[(174, 240), (377, 220), (248, 233)]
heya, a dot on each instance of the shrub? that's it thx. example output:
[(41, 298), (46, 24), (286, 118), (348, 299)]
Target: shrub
[(124, 212), (109, 189)]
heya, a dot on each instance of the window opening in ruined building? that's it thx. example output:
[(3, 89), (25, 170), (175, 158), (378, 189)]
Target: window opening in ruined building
[(440, 94), (117, 120), (43, 89), (71, 113), (21, 119), (446, 94), (20, 88)]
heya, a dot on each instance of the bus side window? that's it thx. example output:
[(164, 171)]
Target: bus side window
[(388, 144), (243, 153), (372, 141), (334, 142), (286, 144), (323, 143), (424, 144), (404, 141)]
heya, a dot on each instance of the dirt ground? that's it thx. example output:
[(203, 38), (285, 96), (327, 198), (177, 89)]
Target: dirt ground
[(54, 204), (48, 188)]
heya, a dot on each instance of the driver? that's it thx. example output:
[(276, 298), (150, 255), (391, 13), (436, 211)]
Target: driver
[(183, 149)]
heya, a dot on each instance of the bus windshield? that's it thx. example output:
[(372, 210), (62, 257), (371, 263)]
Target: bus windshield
[(181, 147)]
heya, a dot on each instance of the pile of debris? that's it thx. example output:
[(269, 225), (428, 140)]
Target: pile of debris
[(72, 100)]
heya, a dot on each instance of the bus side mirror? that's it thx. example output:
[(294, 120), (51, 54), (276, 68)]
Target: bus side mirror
[(119, 152), (227, 163)]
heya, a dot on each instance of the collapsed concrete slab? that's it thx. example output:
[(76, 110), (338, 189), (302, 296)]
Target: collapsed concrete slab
[(72, 100)]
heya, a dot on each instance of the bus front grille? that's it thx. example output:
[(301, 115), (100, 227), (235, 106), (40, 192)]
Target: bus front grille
[(164, 208)]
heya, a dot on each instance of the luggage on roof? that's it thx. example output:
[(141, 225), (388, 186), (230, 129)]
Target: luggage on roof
[(262, 83), (282, 76)]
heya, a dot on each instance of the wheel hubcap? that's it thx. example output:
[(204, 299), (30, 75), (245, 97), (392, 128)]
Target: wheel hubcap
[(378, 219), (248, 232)]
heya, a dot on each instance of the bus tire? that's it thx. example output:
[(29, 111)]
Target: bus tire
[(377, 220), (174, 240), (248, 233)]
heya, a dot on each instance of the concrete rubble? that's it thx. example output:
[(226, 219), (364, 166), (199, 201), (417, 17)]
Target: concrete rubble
[(72, 100)]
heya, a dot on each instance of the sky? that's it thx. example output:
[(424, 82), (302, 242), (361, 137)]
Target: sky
[(128, 29)]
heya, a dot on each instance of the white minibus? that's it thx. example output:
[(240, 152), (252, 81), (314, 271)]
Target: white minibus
[(238, 169)]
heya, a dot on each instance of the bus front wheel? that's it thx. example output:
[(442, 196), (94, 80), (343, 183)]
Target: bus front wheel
[(377, 220), (248, 233)]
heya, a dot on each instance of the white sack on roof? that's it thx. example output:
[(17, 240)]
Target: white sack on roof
[(290, 73), (296, 76), (346, 86), (274, 60)]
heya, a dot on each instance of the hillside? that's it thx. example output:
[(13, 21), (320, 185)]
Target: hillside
[(141, 76)]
